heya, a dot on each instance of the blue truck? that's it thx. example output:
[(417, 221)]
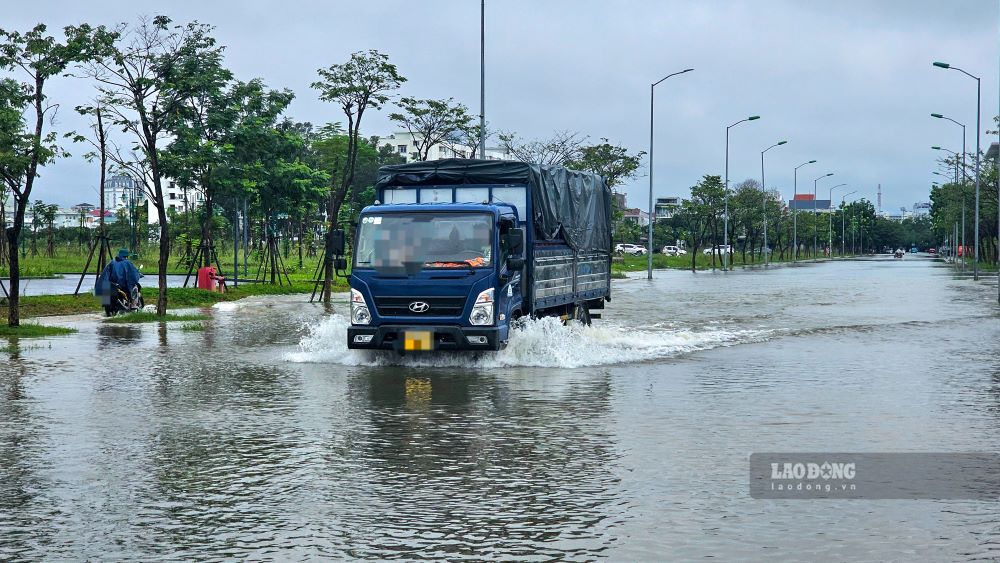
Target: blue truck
[(454, 252)]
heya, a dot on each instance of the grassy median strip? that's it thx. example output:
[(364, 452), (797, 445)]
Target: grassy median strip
[(31, 330), (177, 297), (144, 317)]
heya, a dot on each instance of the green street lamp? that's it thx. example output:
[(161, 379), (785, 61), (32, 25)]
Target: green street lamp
[(795, 211), (763, 189), (725, 216), (937, 148), (975, 243), (830, 219), (649, 254), (816, 213), (843, 223)]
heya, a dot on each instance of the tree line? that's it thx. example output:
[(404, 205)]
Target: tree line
[(955, 197), (165, 108), (849, 228)]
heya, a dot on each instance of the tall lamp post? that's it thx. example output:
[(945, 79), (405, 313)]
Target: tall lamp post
[(482, 80), (764, 190), (843, 224), (816, 213), (649, 253), (937, 148), (958, 178), (830, 220), (725, 215), (975, 240), (962, 178), (795, 212)]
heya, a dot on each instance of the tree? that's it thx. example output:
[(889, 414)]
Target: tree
[(467, 138), (23, 150), (145, 80), (48, 213), (563, 146), (199, 130), (613, 162), (431, 122), (365, 81), (701, 212)]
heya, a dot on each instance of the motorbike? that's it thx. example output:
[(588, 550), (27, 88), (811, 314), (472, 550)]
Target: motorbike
[(122, 302)]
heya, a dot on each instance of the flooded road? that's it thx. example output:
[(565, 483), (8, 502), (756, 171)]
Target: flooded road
[(264, 437), (67, 283)]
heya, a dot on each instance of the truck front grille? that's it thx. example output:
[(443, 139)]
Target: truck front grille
[(437, 306)]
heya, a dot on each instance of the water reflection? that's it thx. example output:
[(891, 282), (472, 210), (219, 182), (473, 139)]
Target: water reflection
[(466, 465)]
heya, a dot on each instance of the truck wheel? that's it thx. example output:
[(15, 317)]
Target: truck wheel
[(581, 314)]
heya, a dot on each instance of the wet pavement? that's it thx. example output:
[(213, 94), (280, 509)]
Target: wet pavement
[(262, 436)]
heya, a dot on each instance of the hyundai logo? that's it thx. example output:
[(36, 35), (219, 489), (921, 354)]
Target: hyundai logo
[(419, 307)]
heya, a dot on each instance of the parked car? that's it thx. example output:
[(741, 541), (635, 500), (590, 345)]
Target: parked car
[(633, 249), (673, 251), (719, 249)]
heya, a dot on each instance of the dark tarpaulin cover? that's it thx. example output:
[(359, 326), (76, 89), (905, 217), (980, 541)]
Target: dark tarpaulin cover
[(568, 204)]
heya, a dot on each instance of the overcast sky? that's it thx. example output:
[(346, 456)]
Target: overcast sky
[(848, 82)]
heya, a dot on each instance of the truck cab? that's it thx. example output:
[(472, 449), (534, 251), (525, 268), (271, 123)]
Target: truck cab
[(437, 276)]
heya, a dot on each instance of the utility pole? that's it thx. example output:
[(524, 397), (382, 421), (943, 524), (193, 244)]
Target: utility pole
[(482, 79)]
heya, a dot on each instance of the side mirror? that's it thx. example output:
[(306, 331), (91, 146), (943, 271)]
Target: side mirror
[(514, 264), (515, 242), (336, 244), (340, 264)]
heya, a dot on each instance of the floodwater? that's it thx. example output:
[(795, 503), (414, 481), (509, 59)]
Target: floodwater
[(67, 283), (262, 437)]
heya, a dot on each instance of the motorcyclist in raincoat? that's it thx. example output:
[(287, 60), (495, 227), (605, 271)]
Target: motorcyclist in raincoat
[(119, 273)]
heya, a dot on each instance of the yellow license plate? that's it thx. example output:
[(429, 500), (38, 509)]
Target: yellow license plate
[(418, 340)]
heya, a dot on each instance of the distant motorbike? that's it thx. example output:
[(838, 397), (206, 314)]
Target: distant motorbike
[(122, 302), (898, 253)]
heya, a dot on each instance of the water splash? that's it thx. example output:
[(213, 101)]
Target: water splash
[(540, 343)]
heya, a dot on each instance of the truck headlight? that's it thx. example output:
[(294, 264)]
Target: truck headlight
[(359, 309), (482, 311)]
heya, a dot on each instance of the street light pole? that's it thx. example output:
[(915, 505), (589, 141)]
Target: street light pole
[(975, 240), (649, 253), (764, 190), (795, 212), (725, 215), (830, 220), (843, 224), (482, 80), (962, 178), (816, 214)]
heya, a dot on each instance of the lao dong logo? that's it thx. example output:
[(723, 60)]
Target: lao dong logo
[(812, 471)]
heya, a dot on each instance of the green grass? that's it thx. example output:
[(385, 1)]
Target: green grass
[(31, 330), (193, 327), (144, 317), (48, 305), (71, 259)]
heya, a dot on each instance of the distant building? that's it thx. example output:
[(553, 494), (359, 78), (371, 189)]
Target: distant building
[(175, 199), (993, 152), (805, 202), (666, 207), (922, 208), (405, 145), (117, 191), (637, 216), (618, 199)]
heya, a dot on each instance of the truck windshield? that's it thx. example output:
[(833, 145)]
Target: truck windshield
[(413, 241)]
